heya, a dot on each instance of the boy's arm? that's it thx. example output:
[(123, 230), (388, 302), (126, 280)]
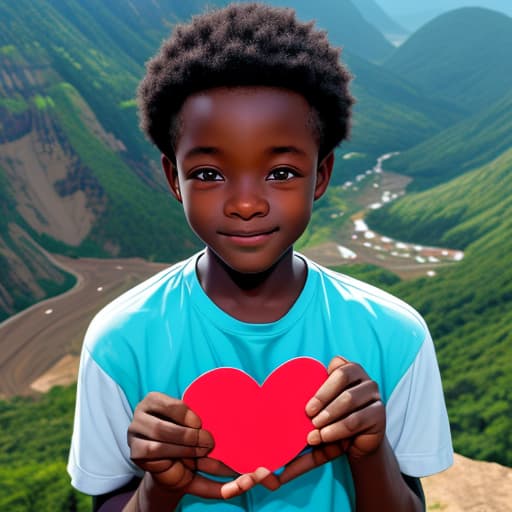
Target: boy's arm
[(379, 484)]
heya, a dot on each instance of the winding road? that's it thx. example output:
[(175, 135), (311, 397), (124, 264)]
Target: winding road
[(36, 339)]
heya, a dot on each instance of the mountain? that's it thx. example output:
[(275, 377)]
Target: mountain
[(78, 176), (82, 179), (459, 148), (413, 15), (462, 56), (468, 306), (375, 15), (26, 272), (345, 25), (390, 113)]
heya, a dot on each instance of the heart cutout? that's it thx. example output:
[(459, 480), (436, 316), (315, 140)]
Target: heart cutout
[(255, 425)]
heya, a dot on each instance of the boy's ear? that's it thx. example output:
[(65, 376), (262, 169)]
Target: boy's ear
[(323, 175), (171, 173)]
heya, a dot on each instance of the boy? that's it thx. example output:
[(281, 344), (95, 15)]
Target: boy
[(246, 105)]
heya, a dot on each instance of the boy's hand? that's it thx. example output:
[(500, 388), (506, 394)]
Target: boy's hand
[(348, 409), (166, 440), (349, 417)]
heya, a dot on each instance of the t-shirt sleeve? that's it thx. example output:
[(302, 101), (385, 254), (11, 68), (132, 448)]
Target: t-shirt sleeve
[(99, 458), (417, 422)]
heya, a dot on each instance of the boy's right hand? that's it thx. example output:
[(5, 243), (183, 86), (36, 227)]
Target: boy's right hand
[(166, 440)]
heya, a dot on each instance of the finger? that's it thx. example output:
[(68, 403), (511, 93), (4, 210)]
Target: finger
[(206, 488), (177, 476), (350, 400), (341, 377), (155, 466), (172, 409), (218, 468), (370, 419), (214, 467), (146, 450), (271, 482), (152, 427), (336, 362), (311, 460), (244, 483)]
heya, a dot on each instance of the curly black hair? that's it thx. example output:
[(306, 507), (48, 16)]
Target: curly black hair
[(245, 45)]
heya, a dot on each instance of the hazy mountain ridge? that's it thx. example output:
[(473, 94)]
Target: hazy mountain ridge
[(345, 25), (380, 19), (462, 56), (390, 113)]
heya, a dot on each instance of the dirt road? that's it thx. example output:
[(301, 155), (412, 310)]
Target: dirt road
[(35, 340)]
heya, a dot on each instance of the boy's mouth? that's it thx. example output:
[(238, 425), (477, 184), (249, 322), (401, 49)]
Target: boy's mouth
[(249, 238), (248, 234)]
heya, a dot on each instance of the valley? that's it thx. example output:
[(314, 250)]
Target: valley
[(357, 243), (39, 347)]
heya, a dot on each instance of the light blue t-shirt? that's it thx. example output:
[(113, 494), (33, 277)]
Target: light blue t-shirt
[(166, 332)]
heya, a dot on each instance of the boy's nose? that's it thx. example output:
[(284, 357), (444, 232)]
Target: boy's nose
[(246, 202)]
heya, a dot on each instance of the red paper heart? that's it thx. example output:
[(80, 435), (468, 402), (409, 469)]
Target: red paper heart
[(255, 425)]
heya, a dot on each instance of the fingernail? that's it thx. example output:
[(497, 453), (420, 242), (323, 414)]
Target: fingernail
[(314, 437), (262, 473)]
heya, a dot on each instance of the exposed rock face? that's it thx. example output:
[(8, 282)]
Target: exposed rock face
[(54, 192), (45, 184)]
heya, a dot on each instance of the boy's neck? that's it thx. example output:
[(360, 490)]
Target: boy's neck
[(254, 298)]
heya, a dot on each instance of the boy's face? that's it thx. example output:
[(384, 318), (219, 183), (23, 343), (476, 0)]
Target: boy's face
[(247, 172)]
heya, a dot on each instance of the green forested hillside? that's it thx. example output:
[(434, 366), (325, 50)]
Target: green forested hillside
[(142, 220), (34, 441), (390, 114), (69, 74), (468, 307), (35, 277), (455, 214), (462, 56), (464, 146)]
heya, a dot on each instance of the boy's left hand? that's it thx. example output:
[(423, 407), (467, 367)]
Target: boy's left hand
[(349, 417), (347, 408)]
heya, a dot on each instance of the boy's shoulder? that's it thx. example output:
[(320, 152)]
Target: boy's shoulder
[(369, 299)]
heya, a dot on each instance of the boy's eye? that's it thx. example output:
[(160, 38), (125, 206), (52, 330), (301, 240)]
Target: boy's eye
[(207, 174), (282, 174)]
